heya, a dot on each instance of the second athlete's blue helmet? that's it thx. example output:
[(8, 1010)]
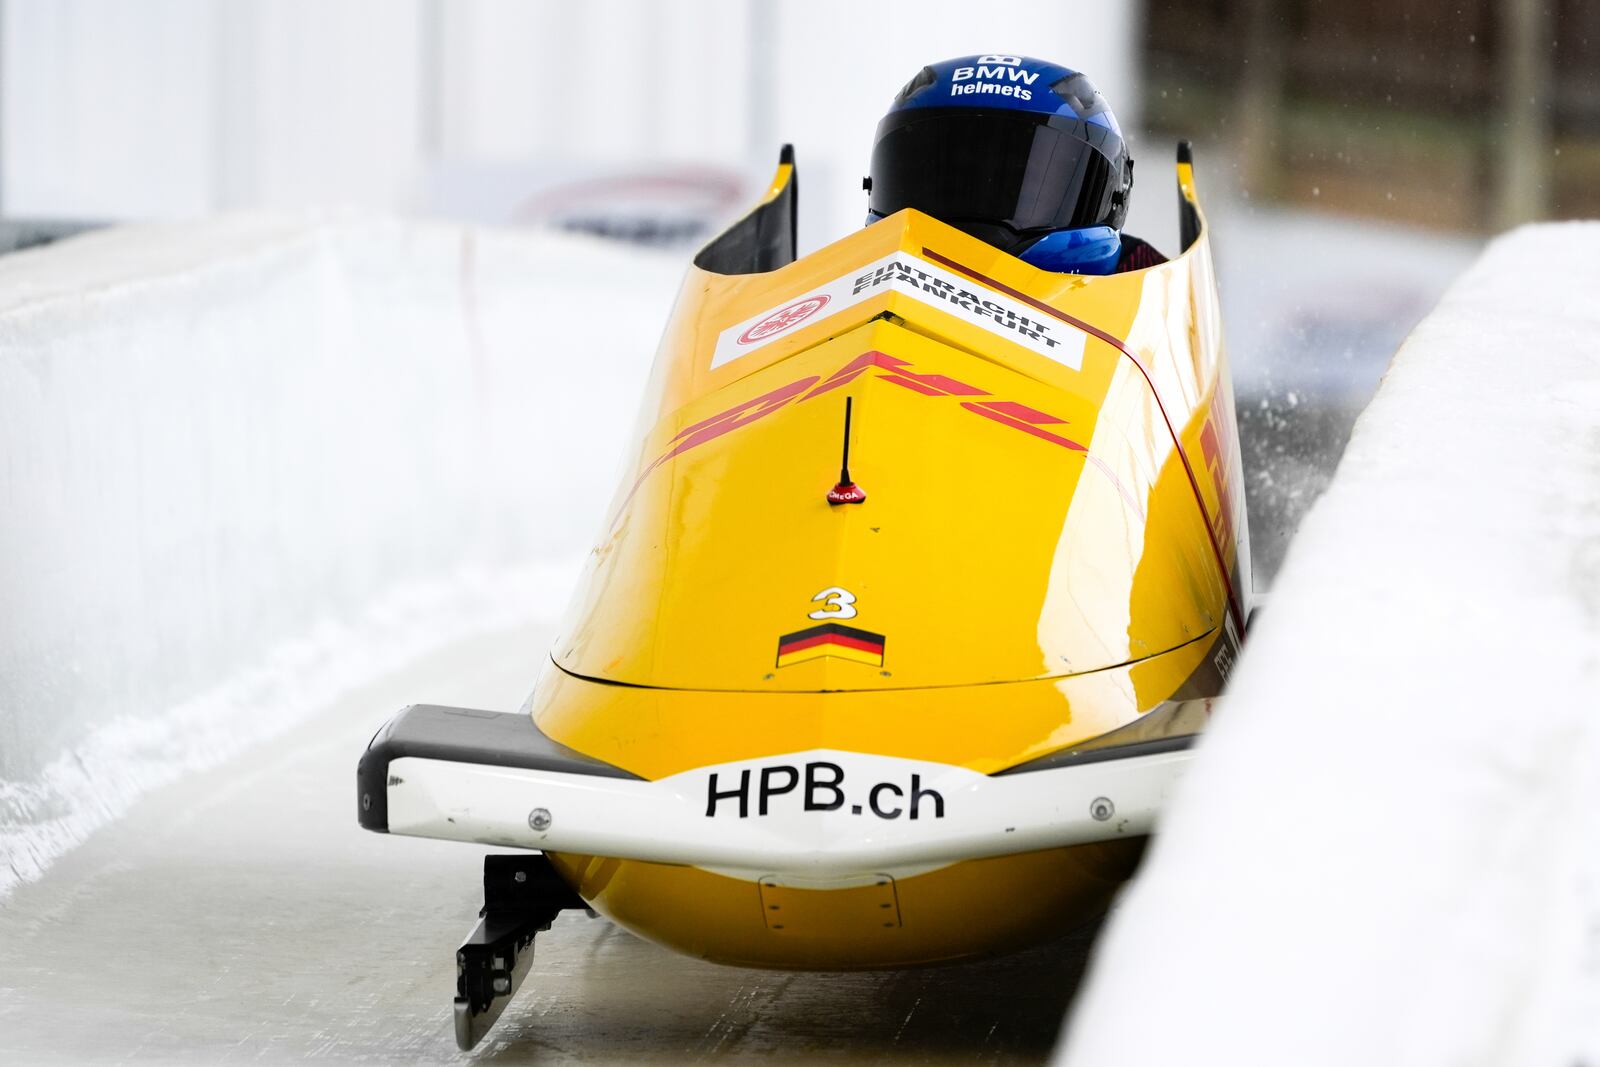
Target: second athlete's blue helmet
[(1011, 150)]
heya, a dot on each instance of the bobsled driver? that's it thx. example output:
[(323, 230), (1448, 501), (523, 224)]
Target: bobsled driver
[(1017, 152)]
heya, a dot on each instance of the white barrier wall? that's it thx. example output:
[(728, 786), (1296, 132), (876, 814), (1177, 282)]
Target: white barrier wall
[(172, 108), (248, 463), (1389, 849)]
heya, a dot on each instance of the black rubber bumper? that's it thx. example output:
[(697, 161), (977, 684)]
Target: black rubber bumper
[(461, 735)]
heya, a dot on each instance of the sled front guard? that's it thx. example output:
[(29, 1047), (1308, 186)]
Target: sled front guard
[(496, 779)]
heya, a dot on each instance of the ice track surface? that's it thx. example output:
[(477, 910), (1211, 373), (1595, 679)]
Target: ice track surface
[(240, 915)]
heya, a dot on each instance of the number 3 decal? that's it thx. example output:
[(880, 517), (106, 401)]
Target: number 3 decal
[(837, 604)]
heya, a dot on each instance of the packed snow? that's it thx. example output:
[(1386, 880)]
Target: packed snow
[(1388, 851), (252, 462)]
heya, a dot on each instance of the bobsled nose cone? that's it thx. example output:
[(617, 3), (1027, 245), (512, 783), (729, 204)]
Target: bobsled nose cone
[(980, 555)]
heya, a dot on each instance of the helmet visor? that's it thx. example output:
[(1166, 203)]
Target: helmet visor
[(1024, 171)]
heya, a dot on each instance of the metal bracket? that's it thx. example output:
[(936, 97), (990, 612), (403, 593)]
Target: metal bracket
[(522, 895)]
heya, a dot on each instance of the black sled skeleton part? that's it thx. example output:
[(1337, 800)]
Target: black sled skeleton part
[(522, 895)]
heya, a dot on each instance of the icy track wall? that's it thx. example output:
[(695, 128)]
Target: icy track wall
[(1388, 851), (247, 464)]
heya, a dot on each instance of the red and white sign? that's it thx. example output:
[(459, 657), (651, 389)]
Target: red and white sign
[(912, 278), (784, 318)]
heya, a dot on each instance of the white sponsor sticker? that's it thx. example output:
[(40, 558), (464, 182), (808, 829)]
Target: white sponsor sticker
[(904, 273)]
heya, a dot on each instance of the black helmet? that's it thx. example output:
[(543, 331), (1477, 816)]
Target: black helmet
[(1007, 148)]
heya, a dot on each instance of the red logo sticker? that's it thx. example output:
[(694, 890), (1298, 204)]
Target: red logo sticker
[(784, 318)]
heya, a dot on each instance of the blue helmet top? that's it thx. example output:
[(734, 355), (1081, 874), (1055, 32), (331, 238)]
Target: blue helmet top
[(1012, 150), (1011, 83)]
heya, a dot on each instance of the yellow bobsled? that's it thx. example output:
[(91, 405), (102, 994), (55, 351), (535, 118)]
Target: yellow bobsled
[(911, 710)]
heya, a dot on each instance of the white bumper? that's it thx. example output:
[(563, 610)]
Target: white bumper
[(816, 813)]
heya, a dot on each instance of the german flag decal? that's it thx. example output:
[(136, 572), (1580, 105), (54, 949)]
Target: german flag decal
[(831, 639)]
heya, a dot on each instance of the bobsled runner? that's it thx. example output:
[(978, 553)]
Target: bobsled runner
[(912, 710)]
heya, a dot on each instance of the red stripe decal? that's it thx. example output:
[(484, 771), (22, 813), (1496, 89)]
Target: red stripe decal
[(992, 411), (1018, 411)]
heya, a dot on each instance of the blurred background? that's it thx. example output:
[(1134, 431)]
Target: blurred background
[(1353, 154)]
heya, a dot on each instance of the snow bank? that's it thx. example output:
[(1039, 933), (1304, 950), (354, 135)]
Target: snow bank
[(247, 464), (1389, 850)]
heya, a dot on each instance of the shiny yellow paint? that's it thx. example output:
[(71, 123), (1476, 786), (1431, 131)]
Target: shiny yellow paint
[(965, 554), (780, 180), (1034, 591), (656, 732), (964, 910)]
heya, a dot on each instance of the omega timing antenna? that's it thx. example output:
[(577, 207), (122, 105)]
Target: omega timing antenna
[(847, 491)]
